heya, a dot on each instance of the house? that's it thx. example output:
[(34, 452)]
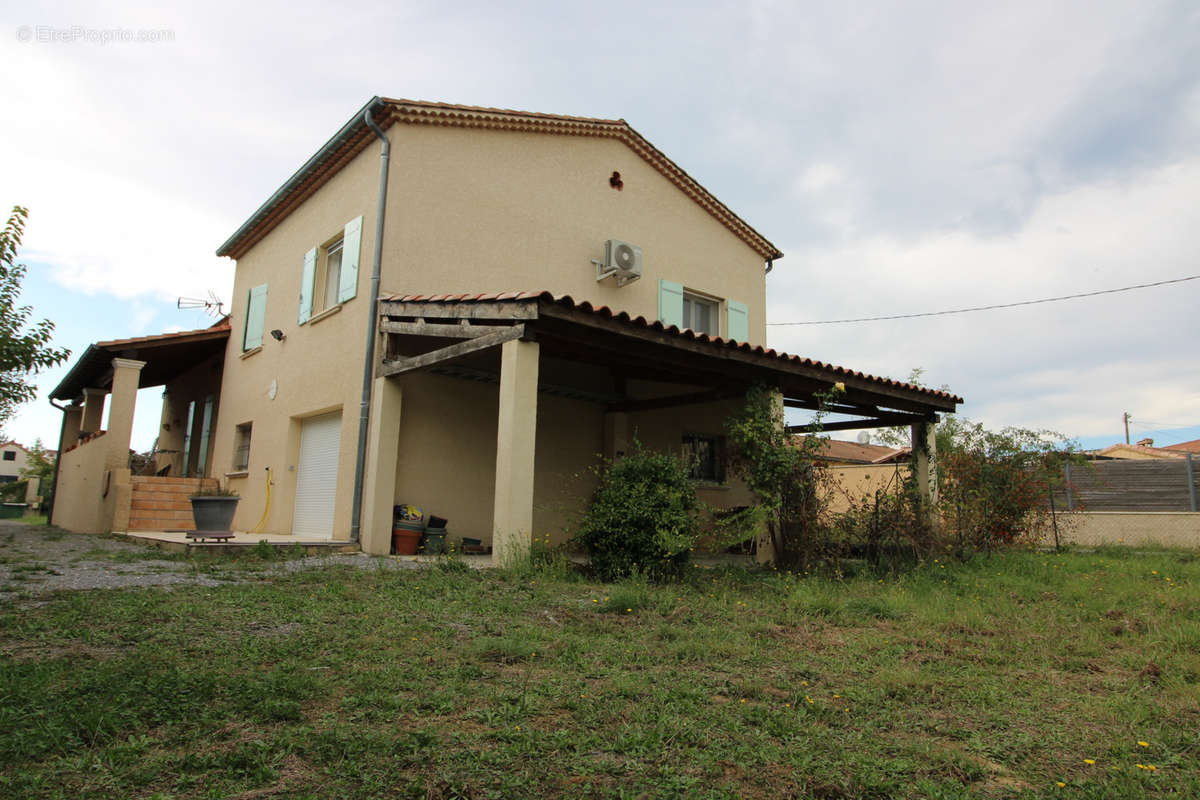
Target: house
[(1185, 447), (14, 457), (1144, 449), (837, 451), (460, 308)]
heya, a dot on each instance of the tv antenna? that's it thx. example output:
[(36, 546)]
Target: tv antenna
[(212, 304)]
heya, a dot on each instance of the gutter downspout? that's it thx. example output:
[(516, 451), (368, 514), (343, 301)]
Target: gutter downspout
[(57, 461), (770, 266), (372, 325)]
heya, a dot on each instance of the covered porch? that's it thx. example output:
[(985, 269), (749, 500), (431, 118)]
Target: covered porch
[(541, 387), (100, 485)]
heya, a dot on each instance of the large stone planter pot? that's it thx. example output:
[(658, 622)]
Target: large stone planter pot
[(214, 513)]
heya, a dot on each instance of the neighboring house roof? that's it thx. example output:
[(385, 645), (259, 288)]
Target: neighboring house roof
[(1187, 447), (11, 443), (355, 136), (1134, 451), (854, 452), (166, 355), (711, 345)]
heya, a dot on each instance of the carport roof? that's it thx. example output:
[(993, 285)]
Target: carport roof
[(598, 334)]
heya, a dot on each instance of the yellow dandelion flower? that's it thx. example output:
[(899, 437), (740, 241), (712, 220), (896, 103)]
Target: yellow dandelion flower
[(1089, 761), (1059, 784), (1143, 744)]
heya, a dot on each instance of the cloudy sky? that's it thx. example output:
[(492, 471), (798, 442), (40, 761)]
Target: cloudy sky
[(906, 156)]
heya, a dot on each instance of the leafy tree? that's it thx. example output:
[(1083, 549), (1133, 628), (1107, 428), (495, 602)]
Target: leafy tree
[(785, 474), (40, 465), (996, 485), (24, 347)]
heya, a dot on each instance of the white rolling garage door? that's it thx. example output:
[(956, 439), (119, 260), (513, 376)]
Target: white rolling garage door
[(316, 479)]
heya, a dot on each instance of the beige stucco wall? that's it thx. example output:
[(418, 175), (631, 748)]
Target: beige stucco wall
[(853, 482), (468, 211), (1130, 528), (79, 504)]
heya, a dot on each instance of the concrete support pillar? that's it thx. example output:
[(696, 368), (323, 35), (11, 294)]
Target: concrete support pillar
[(924, 464), (764, 546), (72, 424), (379, 487), (616, 435), (126, 375), (512, 519), (93, 410)]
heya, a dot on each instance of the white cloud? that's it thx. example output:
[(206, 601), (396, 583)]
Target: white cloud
[(1074, 365)]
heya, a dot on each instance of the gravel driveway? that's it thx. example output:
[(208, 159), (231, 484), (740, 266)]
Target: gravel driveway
[(37, 559)]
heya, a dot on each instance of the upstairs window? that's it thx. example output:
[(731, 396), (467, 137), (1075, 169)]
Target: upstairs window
[(685, 308), (701, 314), (330, 272), (10, 455)]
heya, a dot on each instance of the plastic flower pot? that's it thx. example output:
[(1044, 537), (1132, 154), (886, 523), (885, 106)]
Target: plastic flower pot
[(406, 538), (435, 542), (214, 513)]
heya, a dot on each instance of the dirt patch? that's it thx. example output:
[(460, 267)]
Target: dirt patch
[(37, 651)]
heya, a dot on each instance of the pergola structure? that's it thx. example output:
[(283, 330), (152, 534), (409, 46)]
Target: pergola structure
[(507, 338)]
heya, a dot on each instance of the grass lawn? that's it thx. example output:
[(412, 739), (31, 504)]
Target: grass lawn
[(1023, 674)]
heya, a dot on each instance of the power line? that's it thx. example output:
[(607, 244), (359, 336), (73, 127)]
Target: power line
[(991, 307)]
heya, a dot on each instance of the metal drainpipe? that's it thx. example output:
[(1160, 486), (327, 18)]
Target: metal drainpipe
[(770, 266), (62, 428), (369, 362)]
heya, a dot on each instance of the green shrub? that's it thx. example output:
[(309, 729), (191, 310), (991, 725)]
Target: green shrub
[(642, 518)]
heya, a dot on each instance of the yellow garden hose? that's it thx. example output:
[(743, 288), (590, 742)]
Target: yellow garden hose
[(262, 523)]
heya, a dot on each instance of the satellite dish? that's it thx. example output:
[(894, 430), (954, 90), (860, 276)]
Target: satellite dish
[(864, 437)]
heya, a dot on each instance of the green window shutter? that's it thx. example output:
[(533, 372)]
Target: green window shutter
[(307, 277), (739, 320), (670, 303), (256, 317), (351, 243)]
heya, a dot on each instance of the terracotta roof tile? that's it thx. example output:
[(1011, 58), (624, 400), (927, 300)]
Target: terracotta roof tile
[(1121, 447), (621, 316), (219, 328)]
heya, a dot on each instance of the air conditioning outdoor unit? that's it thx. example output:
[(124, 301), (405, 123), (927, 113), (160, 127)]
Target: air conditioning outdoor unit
[(622, 260)]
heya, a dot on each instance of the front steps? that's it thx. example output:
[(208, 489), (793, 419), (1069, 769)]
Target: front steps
[(162, 504)]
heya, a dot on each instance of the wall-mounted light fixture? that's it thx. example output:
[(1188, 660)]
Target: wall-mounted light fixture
[(277, 335)]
